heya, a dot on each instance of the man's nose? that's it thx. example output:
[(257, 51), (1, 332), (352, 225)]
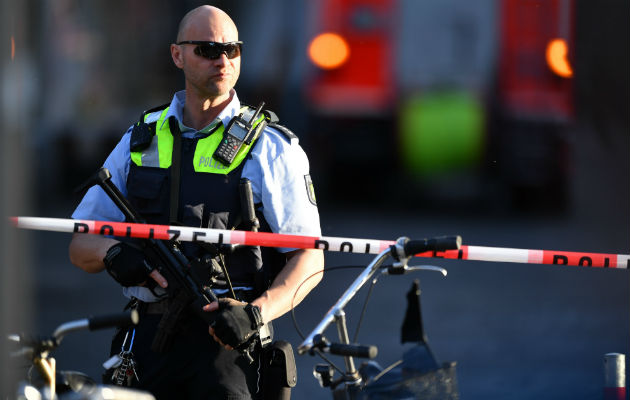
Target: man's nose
[(223, 58)]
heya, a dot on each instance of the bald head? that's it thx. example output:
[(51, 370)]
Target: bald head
[(207, 23), (209, 80)]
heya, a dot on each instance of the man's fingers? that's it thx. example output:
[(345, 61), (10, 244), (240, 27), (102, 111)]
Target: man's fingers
[(216, 339), (158, 278), (232, 301)]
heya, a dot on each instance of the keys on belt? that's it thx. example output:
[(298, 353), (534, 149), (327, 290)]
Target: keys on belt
[(124, 364)]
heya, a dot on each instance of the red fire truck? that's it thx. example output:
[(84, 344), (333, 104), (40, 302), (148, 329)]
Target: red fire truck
[(429, 91)]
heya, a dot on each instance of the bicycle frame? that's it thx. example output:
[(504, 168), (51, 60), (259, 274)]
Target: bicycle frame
[(336, 314), (40, 354), (38, 350)]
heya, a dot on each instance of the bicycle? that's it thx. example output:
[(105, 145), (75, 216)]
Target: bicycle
[(43, 381), (417, 374)]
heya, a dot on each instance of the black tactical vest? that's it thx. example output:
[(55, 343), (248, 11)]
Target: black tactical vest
[(206, 200)]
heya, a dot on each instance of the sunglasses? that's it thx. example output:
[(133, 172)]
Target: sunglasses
[(213, 50)]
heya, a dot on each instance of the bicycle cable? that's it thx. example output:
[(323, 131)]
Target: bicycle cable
[(385, 370), (364, 309), (294, 319)]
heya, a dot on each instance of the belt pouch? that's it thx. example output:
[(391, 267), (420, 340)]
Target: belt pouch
[(280, 372)]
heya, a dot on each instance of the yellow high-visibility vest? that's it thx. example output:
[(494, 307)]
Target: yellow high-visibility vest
[(159, 153)]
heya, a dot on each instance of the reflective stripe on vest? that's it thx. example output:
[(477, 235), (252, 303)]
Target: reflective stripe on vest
[(159, 153)]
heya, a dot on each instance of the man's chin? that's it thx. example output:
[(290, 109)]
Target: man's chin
[(218, 89), (214, 97)]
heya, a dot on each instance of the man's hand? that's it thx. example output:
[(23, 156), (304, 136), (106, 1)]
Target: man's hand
[(128, 266), (236, 322)]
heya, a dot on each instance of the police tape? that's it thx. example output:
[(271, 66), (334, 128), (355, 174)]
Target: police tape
[(347, 245)]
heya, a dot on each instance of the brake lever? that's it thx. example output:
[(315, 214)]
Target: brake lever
[(403, 269)]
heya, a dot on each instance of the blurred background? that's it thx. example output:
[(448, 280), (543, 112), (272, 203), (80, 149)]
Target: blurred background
[(505, 121)]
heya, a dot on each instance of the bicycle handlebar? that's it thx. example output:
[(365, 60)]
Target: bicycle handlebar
[(113, 320), (441, 243), (401, 251), (341, 349), (353, 350), (93, 323), (96, 323)]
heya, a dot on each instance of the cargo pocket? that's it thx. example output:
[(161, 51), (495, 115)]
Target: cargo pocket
[(148, 192), (192, 215), (218, 220)]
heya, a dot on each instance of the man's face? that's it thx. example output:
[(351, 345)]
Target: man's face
[(209, 78)]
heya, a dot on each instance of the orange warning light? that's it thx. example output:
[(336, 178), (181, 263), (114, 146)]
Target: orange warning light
[(328, 50), (557, 51)]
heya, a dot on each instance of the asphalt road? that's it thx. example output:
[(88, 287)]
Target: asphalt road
[(517, 331)]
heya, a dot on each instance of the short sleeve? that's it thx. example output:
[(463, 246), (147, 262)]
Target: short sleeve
[(96, 205), (279, 171)]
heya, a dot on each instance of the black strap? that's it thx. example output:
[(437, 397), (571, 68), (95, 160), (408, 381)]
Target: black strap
[(165, 332), (176, 166)]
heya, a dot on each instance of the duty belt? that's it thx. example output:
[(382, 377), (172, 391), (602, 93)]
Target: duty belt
[(165, 331)]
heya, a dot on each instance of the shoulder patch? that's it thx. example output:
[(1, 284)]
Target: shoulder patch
[(310, 189), (286, 132)]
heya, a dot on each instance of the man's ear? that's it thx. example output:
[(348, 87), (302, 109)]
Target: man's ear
[(178, 56)]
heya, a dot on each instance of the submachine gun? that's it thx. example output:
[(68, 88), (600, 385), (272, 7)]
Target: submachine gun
[(184, 286)]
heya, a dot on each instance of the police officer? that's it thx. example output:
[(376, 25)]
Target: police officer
[(197, 361)]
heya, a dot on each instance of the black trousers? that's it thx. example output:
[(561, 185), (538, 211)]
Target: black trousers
[(194, 367)]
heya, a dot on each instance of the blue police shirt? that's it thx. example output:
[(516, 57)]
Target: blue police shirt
[(278, 171)]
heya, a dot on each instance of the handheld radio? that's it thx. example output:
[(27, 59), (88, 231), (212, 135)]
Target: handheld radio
[(238, 132)]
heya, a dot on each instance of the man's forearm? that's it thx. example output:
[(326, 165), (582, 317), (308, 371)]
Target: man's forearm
[(87, 251), (299, 270)]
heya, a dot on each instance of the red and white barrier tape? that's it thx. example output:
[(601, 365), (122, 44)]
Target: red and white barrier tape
[(349, 245)]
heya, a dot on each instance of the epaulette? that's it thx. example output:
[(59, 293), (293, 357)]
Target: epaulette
[(286, 132), (153, 110), (272, 118), (272, 121)]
